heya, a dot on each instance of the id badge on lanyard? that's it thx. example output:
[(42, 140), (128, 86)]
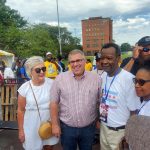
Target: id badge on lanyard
[(104, 107), (103, 110)]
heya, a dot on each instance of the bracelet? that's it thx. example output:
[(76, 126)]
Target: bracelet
[(133, 58)]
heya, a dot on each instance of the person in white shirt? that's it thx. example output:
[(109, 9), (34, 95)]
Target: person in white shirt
[(29, 120), (142, 87), (6, 71), (137, 129), (118, 100)]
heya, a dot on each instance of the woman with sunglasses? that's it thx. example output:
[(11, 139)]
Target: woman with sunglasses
[(28, 116), (137, 131), (142, 86)]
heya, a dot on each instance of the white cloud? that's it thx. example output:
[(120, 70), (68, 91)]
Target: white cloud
[(131, 18), (131, 29), (125, 6), (131, 22)]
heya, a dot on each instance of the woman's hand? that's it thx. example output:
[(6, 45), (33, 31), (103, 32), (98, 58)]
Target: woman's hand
[(21, 136)]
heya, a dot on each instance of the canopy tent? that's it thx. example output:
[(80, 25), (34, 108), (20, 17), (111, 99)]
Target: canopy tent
[(8, 58)]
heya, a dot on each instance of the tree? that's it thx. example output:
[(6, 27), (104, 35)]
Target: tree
[(12, 37), (25, 40), (35, 41), (10, 17), (10, 24), (67, 40), (125, 47)]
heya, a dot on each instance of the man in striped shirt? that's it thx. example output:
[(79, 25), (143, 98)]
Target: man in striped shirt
[(74, 98)]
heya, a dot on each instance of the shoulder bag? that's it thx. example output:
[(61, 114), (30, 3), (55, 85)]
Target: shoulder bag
[(45, 129)]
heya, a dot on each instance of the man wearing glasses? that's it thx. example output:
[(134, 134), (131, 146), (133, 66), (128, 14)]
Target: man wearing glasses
[(75, 96), (141, 56)]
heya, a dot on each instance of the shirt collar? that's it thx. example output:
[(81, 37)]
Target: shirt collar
[(83, 76)]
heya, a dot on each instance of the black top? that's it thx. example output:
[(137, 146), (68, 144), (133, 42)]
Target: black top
[(136, 64)]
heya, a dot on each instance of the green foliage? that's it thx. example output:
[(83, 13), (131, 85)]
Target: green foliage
[(68, 42), (37, 41), (10, 17), (125, 47), (90, 57), (10, 24), (25, 40), (126, 54), (12, 37)]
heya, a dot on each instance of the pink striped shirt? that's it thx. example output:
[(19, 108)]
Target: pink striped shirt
[(77, 98)]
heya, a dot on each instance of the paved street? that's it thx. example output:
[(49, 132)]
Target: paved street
[(9, 141)]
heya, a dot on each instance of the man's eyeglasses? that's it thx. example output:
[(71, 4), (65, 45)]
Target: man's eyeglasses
[(141, 82), (76, 61), (38, 70), (145, 49)]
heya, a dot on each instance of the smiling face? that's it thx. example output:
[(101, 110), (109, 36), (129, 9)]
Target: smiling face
[(77, 63), (109, 60), (40, 76), (143, 91)]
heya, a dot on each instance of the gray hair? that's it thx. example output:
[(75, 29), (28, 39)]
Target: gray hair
[(76, 51), (32, 62)]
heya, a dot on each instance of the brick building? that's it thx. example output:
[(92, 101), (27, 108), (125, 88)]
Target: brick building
[(96, 31)]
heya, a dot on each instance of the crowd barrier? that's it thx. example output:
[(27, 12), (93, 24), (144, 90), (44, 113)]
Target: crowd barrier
[(8, 95)]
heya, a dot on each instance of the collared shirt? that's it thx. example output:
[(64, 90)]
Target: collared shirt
[(77, 98)]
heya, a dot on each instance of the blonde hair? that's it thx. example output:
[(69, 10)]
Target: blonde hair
[(32, 62)]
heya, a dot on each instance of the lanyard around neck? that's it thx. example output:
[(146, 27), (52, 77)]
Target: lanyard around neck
[(143, 106), (107, 91)]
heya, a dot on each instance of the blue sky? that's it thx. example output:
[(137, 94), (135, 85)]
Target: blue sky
[(131, 18)]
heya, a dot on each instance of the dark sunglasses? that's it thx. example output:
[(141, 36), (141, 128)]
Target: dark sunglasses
[(145, 49), (141, 82), (38, 70)]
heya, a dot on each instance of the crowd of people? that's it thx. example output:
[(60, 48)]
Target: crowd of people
[(17, 72), (80, 99)]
